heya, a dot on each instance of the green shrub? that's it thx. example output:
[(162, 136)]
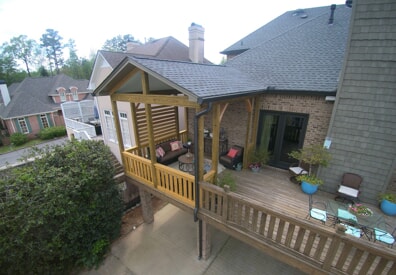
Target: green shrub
[(18, 139), (61, 212), (52, 132)]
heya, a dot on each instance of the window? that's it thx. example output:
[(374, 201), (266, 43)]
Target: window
[(73, 90), (23, 125), (126, 138), (110, 125), (62, 96), (44, 120)]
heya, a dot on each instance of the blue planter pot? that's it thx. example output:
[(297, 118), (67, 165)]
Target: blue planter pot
[(389, 208), (308, 188)]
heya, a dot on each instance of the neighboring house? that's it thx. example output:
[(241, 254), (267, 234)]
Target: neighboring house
[(167, 48), (35, 103)]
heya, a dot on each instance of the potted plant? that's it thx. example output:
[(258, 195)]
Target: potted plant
[(309, 183), (258, 158), (388, 203), (314, 156), (226, 178)]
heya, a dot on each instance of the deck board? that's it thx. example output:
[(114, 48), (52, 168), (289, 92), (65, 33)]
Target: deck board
[(273, 188)]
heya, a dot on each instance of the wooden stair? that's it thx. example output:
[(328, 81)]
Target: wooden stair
[(119, 170)]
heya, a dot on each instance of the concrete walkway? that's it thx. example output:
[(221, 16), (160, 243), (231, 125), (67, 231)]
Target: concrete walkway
[(169, 246)]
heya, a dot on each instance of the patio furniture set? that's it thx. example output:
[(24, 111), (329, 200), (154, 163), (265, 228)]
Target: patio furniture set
[(357, 219)]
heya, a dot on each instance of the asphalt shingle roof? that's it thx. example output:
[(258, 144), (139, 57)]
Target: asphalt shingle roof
[(31, 96), (205, 81), (308, 57), (167, 48), (297, 52)]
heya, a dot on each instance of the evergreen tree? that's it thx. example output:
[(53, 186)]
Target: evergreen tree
[(51, 41)]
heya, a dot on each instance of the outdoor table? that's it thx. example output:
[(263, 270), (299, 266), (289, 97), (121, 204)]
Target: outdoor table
[(339, 211), (186, 162)]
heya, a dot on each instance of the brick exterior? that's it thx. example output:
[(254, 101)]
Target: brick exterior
[(235, 118), (318, 109)]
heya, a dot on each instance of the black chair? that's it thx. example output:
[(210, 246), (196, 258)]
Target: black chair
[(349, 189), (232, 157)]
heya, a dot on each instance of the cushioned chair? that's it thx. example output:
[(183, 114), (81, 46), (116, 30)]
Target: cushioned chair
[(351, 230), (318, 213), (232, 157), (349, 189), (296, 169), (384, 236)]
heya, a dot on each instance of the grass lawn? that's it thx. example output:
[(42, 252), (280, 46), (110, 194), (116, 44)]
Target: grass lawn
[(10, 148)]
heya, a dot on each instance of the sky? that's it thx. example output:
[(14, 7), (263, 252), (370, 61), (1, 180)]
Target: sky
[(91, 22)]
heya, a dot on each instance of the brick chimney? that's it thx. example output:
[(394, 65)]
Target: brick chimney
[(196, 46), (4, 92)]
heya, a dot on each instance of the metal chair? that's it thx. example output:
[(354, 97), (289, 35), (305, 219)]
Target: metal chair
[(384, 236), (351, 230), (319, 214), (349, 189), (296, 169)]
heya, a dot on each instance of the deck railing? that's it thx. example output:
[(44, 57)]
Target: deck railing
[(315, 245), (175, 183)]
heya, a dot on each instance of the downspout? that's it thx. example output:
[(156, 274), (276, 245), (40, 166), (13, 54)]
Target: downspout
[(203, 112)]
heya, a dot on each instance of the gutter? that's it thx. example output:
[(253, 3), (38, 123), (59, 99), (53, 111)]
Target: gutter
[(203, 112)]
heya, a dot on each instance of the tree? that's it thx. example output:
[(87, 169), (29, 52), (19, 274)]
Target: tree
[(119, 43), (51, 41), (61, 212), (23, 49)]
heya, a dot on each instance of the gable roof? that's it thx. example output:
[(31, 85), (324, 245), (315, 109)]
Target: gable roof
[(280, 25), (204, 82), (32, 95), (307, 57), (167, 48)]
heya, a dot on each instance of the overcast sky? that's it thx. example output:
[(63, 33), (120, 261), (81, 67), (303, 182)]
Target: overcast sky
[(91, 22)]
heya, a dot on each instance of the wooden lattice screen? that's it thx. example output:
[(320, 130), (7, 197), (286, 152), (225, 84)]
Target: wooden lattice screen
[(165, 123)]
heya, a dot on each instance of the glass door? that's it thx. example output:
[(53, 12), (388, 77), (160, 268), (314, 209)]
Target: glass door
[(281, 133)]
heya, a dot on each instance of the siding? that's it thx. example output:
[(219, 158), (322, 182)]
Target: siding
[(363, 127)]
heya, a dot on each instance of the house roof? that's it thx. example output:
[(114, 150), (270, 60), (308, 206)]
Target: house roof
[(203, 82), (307, 57), (304, 56), (167, 48), (32, 95)]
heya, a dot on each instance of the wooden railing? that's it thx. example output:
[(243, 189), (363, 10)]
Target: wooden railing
[(319, 248), (174, 183), (316, 249)]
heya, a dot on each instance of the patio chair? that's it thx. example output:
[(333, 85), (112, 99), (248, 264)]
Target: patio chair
[(382, 235), (349, 189), (296, 169), (319, 214), (231, 158), (351, 230)]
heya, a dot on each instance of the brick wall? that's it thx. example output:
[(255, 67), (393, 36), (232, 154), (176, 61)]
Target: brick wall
[(235, 118), (316, 107)]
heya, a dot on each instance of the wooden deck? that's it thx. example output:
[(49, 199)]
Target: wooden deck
[(272, 187)]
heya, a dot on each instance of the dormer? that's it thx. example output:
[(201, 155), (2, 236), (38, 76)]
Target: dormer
[(74, 92), (62, 93)]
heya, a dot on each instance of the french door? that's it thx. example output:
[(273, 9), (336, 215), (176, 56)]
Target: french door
[(280, 133)]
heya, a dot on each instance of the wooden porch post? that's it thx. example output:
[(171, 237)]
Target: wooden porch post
[(253, 108), (117, 125), (216, 137)]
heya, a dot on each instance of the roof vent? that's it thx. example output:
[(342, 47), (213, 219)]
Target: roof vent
[(300, 13), (348, 3), (331, 19)]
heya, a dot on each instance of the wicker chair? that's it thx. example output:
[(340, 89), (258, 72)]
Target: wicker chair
[(349, 189)]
